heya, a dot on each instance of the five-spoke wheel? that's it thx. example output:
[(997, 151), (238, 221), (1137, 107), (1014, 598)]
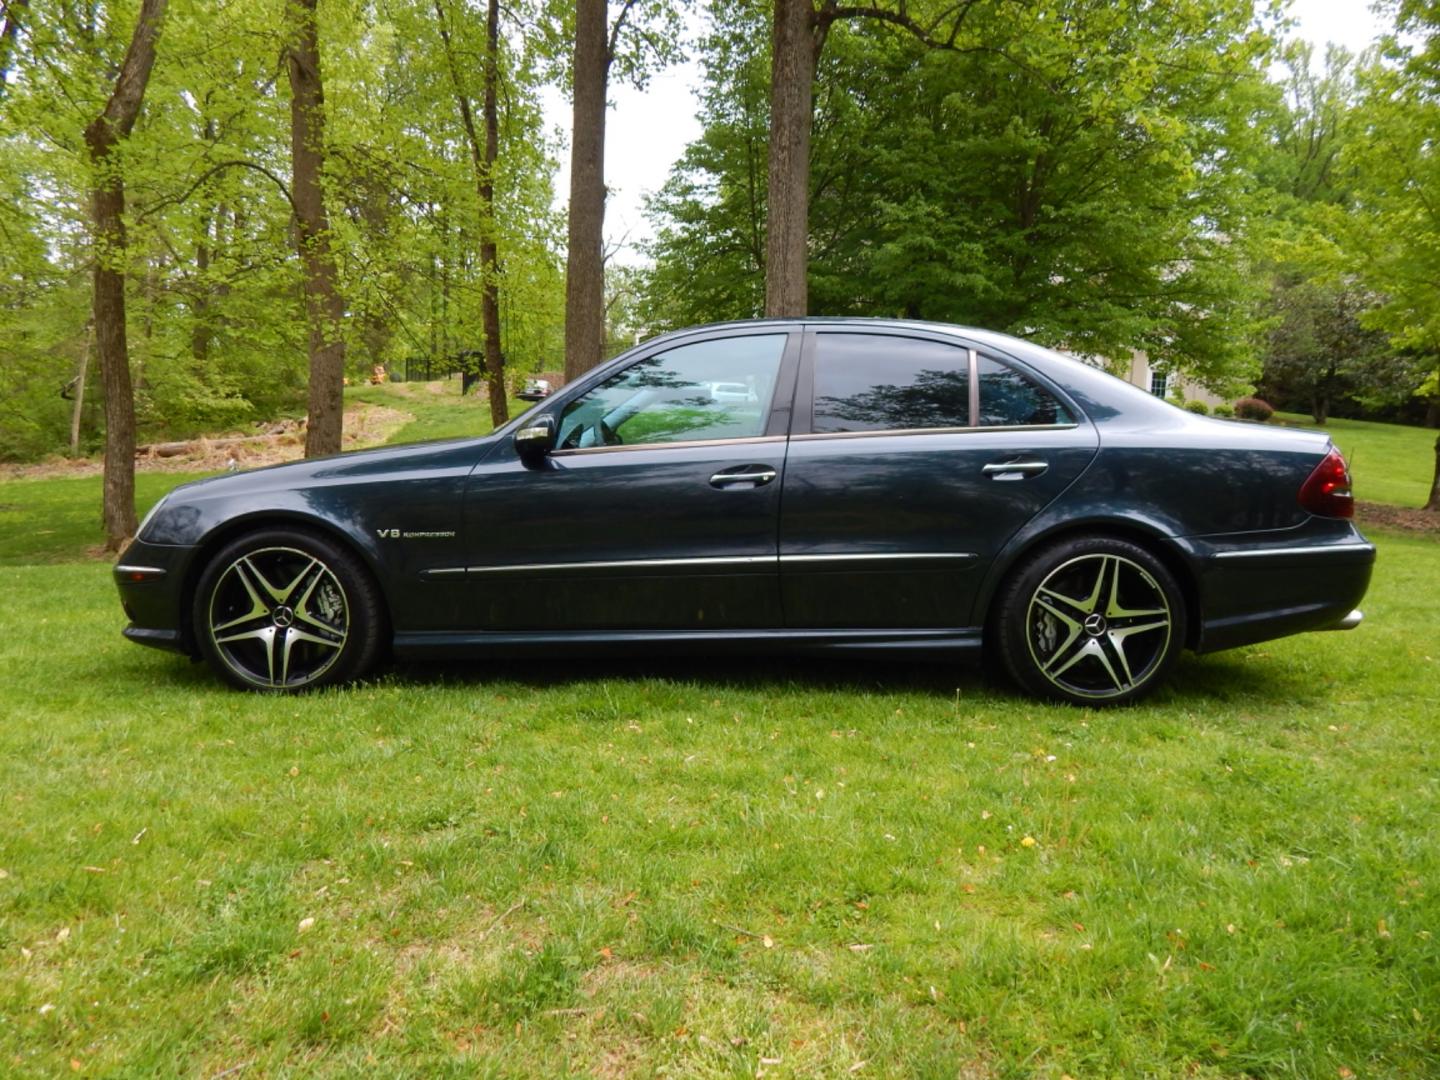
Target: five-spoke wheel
[(284, 610), (1092, 620)]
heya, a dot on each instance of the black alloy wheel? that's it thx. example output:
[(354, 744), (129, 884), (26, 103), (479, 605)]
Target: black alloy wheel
[(285, 610), (1092, 620)]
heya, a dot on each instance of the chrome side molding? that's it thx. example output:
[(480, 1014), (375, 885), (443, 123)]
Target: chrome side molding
[(711, 561), (1291, 552)]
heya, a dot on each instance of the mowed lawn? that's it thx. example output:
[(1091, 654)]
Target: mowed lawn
[(778, 868)]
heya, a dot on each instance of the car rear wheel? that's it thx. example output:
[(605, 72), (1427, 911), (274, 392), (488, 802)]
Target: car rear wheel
[(285, 610), (1092, 620)]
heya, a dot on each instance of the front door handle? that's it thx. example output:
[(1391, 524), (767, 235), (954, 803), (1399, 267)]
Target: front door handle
[(1015, 470), (749, 476)]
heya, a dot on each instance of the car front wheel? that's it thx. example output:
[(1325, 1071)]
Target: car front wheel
[(1091, 620), (285, 610)]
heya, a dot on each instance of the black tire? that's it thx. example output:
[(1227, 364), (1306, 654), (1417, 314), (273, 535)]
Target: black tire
[(283, 610), (1092, 620)]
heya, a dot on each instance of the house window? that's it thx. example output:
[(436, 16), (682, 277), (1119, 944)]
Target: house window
[(1159, 383)]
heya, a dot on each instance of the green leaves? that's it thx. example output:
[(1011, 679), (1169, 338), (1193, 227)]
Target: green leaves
[(1075, 173), (217, 333)]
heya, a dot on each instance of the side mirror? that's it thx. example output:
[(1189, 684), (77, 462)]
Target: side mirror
[(536, 439)]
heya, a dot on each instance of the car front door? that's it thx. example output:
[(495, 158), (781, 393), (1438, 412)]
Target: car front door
[(913, 459), (658, 508)]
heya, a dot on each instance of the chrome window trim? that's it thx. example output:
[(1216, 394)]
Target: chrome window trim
[(1286, 552), (810, 435), (974, 389), (744, 440)]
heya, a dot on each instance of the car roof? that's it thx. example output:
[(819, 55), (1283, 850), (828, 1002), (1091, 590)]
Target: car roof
[(1033, 353), (1102, 395)]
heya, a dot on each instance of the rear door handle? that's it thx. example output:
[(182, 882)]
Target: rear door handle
[(1015, 470), (750, 476)]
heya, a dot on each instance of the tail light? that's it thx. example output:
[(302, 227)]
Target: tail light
[(1326, 490)]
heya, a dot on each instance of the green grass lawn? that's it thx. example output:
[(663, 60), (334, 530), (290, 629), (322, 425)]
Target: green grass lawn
[(1390, 463), (442, 415), (787, 868), (54, 520)]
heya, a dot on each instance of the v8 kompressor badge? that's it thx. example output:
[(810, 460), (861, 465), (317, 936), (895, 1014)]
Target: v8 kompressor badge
[(398, 534)]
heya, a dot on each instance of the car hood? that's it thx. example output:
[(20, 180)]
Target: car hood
[(352, 464)]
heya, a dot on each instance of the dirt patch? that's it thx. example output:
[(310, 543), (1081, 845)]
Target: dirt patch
[(365, 425), (1405, 518)]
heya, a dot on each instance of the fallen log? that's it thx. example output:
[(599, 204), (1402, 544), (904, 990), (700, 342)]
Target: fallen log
[(186, 446)]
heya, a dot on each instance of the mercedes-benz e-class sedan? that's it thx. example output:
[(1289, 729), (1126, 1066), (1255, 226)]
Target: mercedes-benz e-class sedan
[(843, 485)]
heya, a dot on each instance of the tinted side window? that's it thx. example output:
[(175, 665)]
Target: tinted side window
[(718, 389), (1010, 399), (869, 382)]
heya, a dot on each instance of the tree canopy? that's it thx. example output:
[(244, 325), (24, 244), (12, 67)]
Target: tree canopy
[(1106, 177), (1080, 174), (217, 325)]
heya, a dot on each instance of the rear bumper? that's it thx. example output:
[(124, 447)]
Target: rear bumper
[(1253, 593), (1350, 622)]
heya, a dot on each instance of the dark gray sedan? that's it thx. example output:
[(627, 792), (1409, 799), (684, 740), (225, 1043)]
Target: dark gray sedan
[(839, 485)]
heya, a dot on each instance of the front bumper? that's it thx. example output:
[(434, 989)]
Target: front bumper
[(169, 640), (151, 582)]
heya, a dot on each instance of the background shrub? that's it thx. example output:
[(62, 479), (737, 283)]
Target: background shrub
[(1198, 407), (1252, 408), (1225, 409)]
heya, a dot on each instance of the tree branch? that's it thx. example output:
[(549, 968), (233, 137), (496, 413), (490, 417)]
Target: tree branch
[(832, 12), (206, 175), (123, 106), (8, 34), (614, 42)]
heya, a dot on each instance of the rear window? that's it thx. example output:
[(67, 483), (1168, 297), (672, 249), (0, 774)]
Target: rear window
[(1010, 399), (872, 382)]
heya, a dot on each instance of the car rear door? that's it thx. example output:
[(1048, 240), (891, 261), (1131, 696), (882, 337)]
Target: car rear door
[(913, 459), (659, 507)]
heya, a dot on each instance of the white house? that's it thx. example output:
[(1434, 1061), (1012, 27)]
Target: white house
[(1163, 385)]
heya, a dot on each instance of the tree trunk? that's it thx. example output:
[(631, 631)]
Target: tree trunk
[(489, 255), (107, 209), (210, 221), (80, 377), (1433, 503), (797, 39), (584, 267), (324, 309), (482, 159), (200, 310), (794, 51), (1320, 408)]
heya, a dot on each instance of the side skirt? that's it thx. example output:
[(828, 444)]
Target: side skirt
[(911, 643)]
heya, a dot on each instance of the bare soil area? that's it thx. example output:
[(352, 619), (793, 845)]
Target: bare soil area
[(365, 425), (1407, 518)]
